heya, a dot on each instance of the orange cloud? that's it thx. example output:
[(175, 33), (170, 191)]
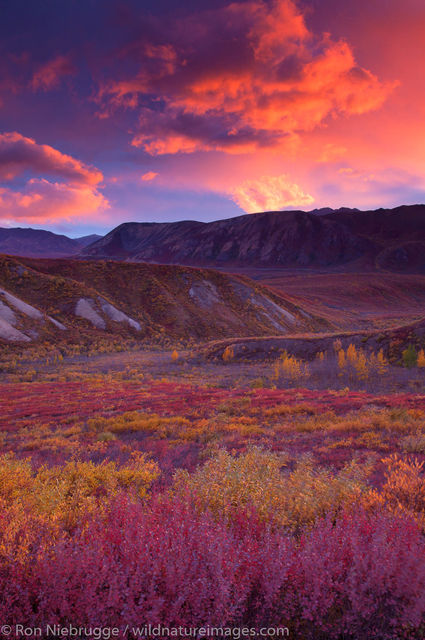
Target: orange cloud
[(149, 176), (355, 174), (50, 74), (270, 193), (241, 78), (19, 154), (43, 201), (332, 152)]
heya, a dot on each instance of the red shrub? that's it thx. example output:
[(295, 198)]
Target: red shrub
[(168, 565), (359, 578), (363, 576)]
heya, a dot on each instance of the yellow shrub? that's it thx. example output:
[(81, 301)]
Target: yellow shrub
[(404, 487), (361, 366), (382, 363), (255, 478), (137, 421), (421, 359), (16, 478), (291, 368), (371, 440), (311, 493), (66, 492), (228, 354), (352, 354)]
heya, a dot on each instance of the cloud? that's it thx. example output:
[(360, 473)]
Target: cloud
[(43, 201), (332, 152), (270, 193), (237, 79), (19, 155), (49, 75), (40, 199), (149, 176)]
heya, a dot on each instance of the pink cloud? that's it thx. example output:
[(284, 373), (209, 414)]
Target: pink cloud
[(40, 199), (240, 78), (49, 75), (43, 201), (149, 176), (19, 154), (270, 193)]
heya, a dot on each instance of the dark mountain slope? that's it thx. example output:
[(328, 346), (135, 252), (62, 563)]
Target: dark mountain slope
[(374, 239), (401, 224), (274, 238)]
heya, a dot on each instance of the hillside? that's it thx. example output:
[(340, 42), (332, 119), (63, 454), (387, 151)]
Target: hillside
[(307, 347), (351, 300), (343, 238), (70, 300)]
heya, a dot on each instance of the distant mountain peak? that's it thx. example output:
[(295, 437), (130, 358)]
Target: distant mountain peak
[(327, 210), (85, 241), (39, 243)]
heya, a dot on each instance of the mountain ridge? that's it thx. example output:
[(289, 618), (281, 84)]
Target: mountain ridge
[(344, 238), (372, 239)]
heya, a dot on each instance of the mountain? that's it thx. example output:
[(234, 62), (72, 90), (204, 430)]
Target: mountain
[(84, 241), (36, 242), (343, 238), (273, 238), (59, 301), (326, 210)]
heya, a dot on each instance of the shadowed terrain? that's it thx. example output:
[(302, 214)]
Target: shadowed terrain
[(358, 240), (349, 300)]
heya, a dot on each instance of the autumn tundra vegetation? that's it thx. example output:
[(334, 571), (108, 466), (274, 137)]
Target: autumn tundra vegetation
[(199, 450), (148, 486)]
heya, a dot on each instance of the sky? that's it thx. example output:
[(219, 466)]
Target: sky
[(161, 110)]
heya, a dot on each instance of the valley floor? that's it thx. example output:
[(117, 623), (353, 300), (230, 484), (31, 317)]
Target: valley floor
[(358, 300)]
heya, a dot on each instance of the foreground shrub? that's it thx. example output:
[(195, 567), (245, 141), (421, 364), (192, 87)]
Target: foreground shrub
[(166, 564), (255, 478), (359, 577)]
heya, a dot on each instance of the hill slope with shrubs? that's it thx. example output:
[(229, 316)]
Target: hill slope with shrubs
[(77, 301)]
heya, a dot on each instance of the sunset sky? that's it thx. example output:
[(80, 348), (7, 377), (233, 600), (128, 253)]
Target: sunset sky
[(158, 110)]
